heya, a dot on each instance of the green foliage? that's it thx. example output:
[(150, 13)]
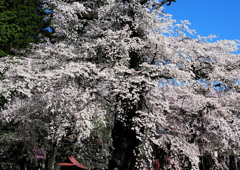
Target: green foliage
[(2, 100), (21, 22), (4, 135)]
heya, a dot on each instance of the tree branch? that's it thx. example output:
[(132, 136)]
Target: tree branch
[(158, 5)]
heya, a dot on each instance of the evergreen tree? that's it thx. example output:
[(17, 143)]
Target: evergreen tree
[(21, 22)]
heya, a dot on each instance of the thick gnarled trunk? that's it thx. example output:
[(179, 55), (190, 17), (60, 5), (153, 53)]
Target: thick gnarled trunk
[(124, 144)]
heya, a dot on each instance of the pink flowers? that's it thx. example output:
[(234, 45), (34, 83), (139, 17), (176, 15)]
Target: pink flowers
[(38, 153)]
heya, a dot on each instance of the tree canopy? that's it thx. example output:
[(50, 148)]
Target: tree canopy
[(121, 85)]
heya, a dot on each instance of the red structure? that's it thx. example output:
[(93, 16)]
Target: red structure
[(74, 163), (156, 164)]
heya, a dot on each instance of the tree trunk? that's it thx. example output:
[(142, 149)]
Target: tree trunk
[(124, 144), (50, 162), (22, 163)]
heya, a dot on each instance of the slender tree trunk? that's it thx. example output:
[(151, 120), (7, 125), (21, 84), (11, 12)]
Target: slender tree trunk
[(50, 162)]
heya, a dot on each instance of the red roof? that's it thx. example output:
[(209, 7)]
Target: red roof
[(74, 163)]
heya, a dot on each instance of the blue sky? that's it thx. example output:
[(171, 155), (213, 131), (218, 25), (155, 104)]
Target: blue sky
[(218, 17)]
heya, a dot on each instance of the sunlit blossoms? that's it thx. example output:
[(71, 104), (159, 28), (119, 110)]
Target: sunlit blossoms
[(127, 74)]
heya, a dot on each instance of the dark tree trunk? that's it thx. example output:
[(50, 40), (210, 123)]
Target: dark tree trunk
[(232, 163), (206, 162), (22, 163), (124, 144)]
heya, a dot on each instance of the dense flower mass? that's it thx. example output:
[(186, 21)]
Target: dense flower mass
[(123, 75)]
